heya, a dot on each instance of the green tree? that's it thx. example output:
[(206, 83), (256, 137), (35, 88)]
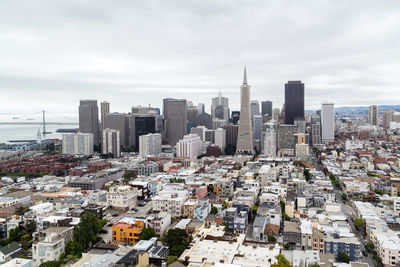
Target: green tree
[(214, 210), (14, 234), (128, 176), (282, 262), (177, 240), (370, 245), (50, 264), (285, 217), (307, 175), (86, 231), (224, 205), (282, 203), (147, 233), (32, 227), (21, 210), (271, 238), (358, 222), (314, 265), (73, 248), (286, 246), (342, 257), (171, 259), (344, 196), (254, 210)]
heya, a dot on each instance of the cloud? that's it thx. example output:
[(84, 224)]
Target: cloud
[(54, 53)]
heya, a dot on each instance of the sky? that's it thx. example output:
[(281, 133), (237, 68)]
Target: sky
[(54, 53)]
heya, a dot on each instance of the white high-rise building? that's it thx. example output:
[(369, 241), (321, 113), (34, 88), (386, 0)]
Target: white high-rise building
[(150, 144), (220, 108), (189, 147), (200, 131), (327, 122), (245, 144), (78, 144), (220, 138), (218, 123), (270, 137), (111, 142)]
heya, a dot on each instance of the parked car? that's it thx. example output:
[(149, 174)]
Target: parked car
[(110, 224), (364, 253), (141, 204)]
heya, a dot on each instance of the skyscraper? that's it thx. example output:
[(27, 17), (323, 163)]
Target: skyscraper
[(118, 121), (235, 117), (254, 108), (270, 139), (201, 108), (245, 135), (205, 120), (140, 124), (220, 107), (193, 115), (373, 115), (104, 109), (111, 142), (175, 117), (89, 119), (294, 101), (327, 122), (266, 108), (77, 144)]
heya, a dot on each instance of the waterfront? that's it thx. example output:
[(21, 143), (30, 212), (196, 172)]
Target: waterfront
[(29, 132)]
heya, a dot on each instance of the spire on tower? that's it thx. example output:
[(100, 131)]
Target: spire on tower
[(245, 76)]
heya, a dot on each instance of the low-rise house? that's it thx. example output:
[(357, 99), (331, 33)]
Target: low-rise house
[(159, 222), (122, 197), (347, 245), (7, 251), (292, 234)]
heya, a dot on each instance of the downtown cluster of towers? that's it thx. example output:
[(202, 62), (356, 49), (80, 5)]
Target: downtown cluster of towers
[(180, 116)]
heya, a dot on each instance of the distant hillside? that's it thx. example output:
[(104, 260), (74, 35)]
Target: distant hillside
[(360, 108), (365, 108)]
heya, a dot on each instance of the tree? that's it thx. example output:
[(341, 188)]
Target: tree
[(21, 210), (73, 248), (14, 234), (343, 258), (50, 264), (86, 232), (282, 262), (370, 245), (271, 238), (214, 210), (286, 246), (285, 217), (177, 240), (314, 265), (147, 233), (344, 196), (358, 222), (32, 227), (282, 203), (129, 176), (254, 210), (307, 175), (171, 259), (224, 205)]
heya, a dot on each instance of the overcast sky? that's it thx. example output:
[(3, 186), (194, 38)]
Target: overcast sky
[(53, 53)]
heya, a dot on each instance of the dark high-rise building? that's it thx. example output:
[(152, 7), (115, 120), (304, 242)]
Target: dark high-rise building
[(205, 120), (231, 134), (105, 109), (140, 124), (89, 119), (193, 116), (235, 117), (294, 101), (118, 121), (266, 108), (175, 117)]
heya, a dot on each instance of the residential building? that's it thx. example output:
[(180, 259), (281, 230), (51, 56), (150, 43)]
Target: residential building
[(220, 138), (111, 142), (373, 115), (127, 234), (78, 144), (189, 146), (150, 144), (104, 109), (327, 122), (122, 197), (159, 222), (49, 249), (347, 245)]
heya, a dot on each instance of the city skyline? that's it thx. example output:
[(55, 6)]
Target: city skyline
[(117, 55)]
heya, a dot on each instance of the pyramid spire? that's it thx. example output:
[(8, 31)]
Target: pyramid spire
[(245, 76)]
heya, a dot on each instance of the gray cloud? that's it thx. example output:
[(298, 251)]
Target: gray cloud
[(54, 53)]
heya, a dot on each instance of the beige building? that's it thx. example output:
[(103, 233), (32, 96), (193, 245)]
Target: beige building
[(123, 197)]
